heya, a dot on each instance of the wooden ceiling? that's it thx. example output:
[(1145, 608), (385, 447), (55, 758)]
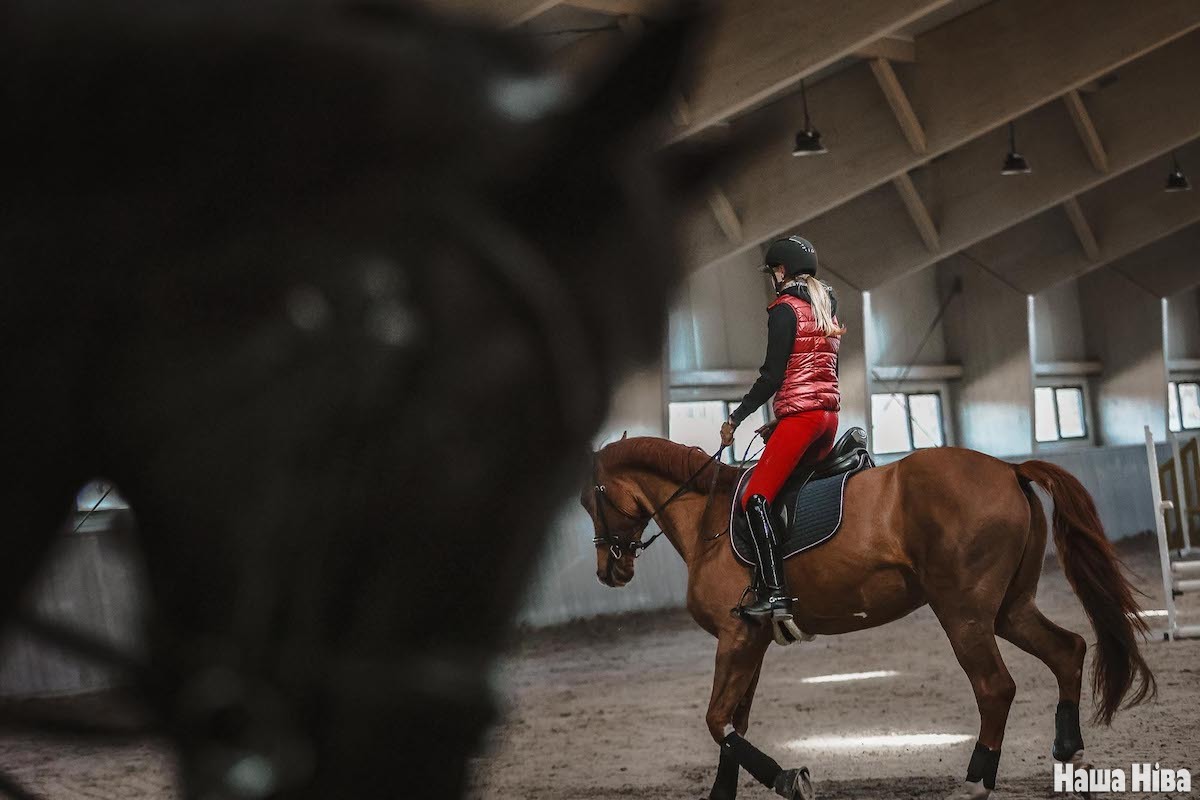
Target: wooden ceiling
[(913, 100)]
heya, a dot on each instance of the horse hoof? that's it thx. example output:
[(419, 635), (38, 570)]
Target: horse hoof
[(1079, 762), (795, 784), (971, 791)]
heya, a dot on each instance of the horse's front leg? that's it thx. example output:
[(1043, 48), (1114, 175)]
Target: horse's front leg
[(725, 786), (740, 651)]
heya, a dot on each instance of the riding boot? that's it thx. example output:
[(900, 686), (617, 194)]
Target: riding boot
[(773, 598)]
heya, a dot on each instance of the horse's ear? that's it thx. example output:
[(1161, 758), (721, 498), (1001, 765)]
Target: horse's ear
[(637, 84), (624, 435)]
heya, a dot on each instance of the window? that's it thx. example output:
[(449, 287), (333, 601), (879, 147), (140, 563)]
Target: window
[(1058, 413), (901, 421), (1183, 404), (698, 423), (98, 496)]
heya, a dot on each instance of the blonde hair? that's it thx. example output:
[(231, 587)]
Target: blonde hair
[(822, 306)]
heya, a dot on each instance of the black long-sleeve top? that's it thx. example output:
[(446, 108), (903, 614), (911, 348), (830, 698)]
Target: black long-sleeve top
[(781, 335)]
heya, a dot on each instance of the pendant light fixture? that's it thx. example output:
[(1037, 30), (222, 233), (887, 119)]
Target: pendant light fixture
[(1014, 162), (808, 141), (1176, 181)]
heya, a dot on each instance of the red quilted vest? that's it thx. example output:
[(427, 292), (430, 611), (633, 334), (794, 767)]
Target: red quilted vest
[(810, 382)]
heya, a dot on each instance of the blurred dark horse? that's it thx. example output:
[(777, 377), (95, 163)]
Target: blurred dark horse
[(336, 294)]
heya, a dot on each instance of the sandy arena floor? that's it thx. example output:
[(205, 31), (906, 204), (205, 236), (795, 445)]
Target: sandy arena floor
[(615, 709)]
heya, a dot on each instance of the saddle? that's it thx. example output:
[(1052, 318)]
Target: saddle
[(808, 510)]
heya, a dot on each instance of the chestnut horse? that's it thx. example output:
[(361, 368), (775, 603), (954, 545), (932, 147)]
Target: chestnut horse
[(952, 528)]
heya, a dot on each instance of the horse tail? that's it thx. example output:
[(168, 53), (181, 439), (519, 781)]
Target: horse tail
[(1095, 574)]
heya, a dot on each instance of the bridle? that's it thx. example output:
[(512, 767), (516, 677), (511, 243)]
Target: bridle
[(617, 542)]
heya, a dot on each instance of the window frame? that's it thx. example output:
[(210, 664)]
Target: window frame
[(728, 454), (1173, 391), (909, 390), (1086, 406)]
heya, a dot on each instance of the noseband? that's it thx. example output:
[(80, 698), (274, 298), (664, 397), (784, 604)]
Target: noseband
[(616, 545)]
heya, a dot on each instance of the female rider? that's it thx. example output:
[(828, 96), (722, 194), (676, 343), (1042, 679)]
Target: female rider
[(800, 369)]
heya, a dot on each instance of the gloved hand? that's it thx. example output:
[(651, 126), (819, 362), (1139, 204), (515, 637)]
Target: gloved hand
[(727, 429)]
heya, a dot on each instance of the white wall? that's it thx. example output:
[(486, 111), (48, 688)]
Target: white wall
[(987, 331), (719, 320), (1124, 328), (852, 359), (901, 312), (566, 585), (1058, 317), (1118, 478), (1183, 325)]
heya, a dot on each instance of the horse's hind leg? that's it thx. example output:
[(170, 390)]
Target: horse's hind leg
[(1021, 622), (1063, 652), (974, 644)]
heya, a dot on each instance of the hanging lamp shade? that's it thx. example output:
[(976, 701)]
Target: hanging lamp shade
[(808, 143), (1014, 162), (808, 140), (1176, 180)]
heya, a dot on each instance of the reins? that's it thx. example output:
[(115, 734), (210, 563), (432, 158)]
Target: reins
[(636, 546)]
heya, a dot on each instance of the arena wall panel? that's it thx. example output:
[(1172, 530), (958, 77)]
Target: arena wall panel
[(1125, 330)]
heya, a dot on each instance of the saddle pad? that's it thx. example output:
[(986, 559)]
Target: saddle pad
[(803, 521)]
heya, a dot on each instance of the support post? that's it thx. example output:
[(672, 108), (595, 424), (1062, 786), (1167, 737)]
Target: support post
[(1160, 523), (1184, 526)]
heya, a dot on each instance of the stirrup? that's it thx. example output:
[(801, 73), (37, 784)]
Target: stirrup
[(786, 632), (776, 606)]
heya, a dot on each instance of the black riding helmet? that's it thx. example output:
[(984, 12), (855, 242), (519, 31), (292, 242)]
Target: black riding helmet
[(797, 256)]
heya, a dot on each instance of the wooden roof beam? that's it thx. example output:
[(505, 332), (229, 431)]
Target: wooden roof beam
[(1136, 213), (615, 8), (958, 96), (505, 12), (725, 215), (901, 107), (893, 48), (1086, 130), (1152, 110), (918, 211), (744, 64), (1083, 231), (747, 62)]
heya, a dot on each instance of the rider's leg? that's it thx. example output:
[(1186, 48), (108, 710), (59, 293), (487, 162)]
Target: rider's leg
[(774, 601), (809, 433)]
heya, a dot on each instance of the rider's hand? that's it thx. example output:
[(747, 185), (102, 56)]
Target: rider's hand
[(727, 429)]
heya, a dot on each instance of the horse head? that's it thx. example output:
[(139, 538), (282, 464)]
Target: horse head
[(619, 513)]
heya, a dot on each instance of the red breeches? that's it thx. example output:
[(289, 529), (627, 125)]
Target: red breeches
[(806, 437)]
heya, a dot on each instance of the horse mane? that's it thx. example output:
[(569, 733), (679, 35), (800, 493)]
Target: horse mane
[(669, 459)]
